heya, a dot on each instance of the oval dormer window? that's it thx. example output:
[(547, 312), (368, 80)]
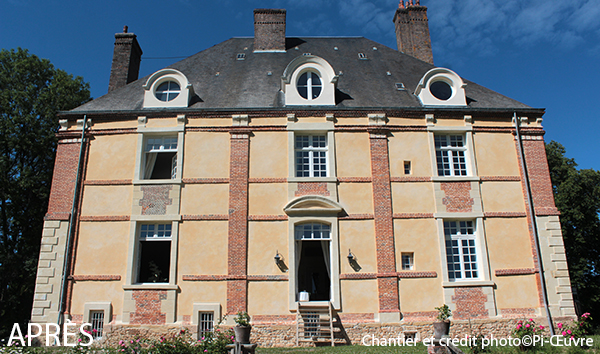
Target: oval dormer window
[(168, 91), (441, 90), (309, 85)]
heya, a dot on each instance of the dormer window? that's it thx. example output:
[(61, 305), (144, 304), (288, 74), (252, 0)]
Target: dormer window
[(167, 88), (309, 85), (309, 80), (168, 91), (441, 87)]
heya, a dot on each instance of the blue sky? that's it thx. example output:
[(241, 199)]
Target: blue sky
[(544, 53)]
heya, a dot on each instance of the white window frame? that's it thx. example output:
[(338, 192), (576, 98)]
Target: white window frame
[(452, 153), (312, 151), (470, 236), (295, 128), (408, 260), (90, 307), (182, 100), (299, 66), (155, 236), (144, 134), (163, 144), (203, 307), (309, 84), (468, 148)]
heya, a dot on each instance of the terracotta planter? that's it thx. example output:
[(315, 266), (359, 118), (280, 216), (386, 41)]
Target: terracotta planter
[(242, 334), (441, 329)]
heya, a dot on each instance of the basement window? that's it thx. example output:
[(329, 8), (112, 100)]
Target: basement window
[(160, 158)]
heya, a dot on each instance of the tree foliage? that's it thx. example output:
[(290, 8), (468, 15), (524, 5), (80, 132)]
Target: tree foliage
[(32, 92), (577, 195)]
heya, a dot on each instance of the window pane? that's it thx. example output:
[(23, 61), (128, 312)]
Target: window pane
[(155, 259)]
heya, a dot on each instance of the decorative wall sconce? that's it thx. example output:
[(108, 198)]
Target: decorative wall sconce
[(279, 262), (352, 261), (351, 256)]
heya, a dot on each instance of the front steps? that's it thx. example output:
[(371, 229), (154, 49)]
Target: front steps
[(317, 323)]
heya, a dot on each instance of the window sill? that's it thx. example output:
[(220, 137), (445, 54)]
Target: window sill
[(151, 286), (156, 181), (455, 179), (312, 179), (458, 284)]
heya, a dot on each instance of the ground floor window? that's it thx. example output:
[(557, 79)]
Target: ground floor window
[(206, 322), (461, 255)]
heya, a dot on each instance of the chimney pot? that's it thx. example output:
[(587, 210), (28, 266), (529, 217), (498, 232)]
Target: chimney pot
[(269, 30), (412, 31), (127, 56)]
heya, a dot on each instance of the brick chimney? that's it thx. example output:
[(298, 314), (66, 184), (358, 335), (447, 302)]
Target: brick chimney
[(269, 30), (126, 60), (412, 30)]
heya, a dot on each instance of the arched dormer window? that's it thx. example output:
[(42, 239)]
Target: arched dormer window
[(441, 87), (309, 80), (167, 88)]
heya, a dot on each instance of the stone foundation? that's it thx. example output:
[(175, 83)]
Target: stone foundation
[(284, 335)]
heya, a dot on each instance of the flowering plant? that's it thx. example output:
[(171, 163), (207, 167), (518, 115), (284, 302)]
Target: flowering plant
[(525, 330), (216, 341), (444, 312), (577, 328)]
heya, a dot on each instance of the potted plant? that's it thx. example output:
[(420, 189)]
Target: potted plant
[(442, 327), (242, 328)]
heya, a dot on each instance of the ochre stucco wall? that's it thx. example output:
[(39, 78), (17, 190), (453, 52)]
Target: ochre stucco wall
[(95, 241), (412, 198), (502, 196), (269, 155), (413, 147), (496, 154), (358, 236), (267, 198), (121, 165), (106, 200), (265, 239), (353, 157), (202, 248), (204, 199), (206, 155)]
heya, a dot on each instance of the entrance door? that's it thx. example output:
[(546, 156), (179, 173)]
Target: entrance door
[(313, 261)]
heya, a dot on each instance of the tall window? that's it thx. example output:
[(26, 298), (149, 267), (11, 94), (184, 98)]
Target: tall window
[(97, 321), (160, 158), (309, 85), (450, 155), (155, 253), (205, 323), (311, 155), (461, 255)]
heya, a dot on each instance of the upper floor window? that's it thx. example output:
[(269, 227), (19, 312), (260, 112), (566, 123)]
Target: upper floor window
[(441, 87), (450, 155), (461, 254), (160, 158), (309, 85), (311, 155), (167, 91)]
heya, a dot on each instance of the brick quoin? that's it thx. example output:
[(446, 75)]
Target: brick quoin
[(470, 303), (63, 182), (458, 197), (539, 177), (147, 307), (312, 188), (237, 291), (384, 229)]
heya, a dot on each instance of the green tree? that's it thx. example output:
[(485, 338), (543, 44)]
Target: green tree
[(577, 195), (32, 92)]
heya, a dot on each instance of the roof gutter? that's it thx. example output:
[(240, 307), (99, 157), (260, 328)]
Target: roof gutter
[(532, 217)]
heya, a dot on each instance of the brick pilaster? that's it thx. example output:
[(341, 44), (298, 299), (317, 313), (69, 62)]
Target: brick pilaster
[(384, 229), (63, 181), (237, 290)]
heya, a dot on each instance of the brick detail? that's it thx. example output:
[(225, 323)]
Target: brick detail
[(357, 217), (77, 319), (274, 319), (205, 217), (357, 317), (267, 217), (458, 197), (410, 179), (104, 218), (108, 182), (412, 215), (411, 274), (419, 316), (126, 61), (240, 277), (155, 199), (354, 179), (505, 214), (470, 303), (500, 178), (186, 320), (405, 274), (312, 188), (269, 29), (148, 307), (539, 177), (384, 227), (267, 180), (63, 181), (237, 290), (517, 312), (205, 180), (412, 32), (516, 271), (95, 277)]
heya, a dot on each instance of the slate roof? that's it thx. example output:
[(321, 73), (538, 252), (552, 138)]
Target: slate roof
[(246, 83)]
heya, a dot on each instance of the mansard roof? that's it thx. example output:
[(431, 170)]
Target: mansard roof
[(221, 81)]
